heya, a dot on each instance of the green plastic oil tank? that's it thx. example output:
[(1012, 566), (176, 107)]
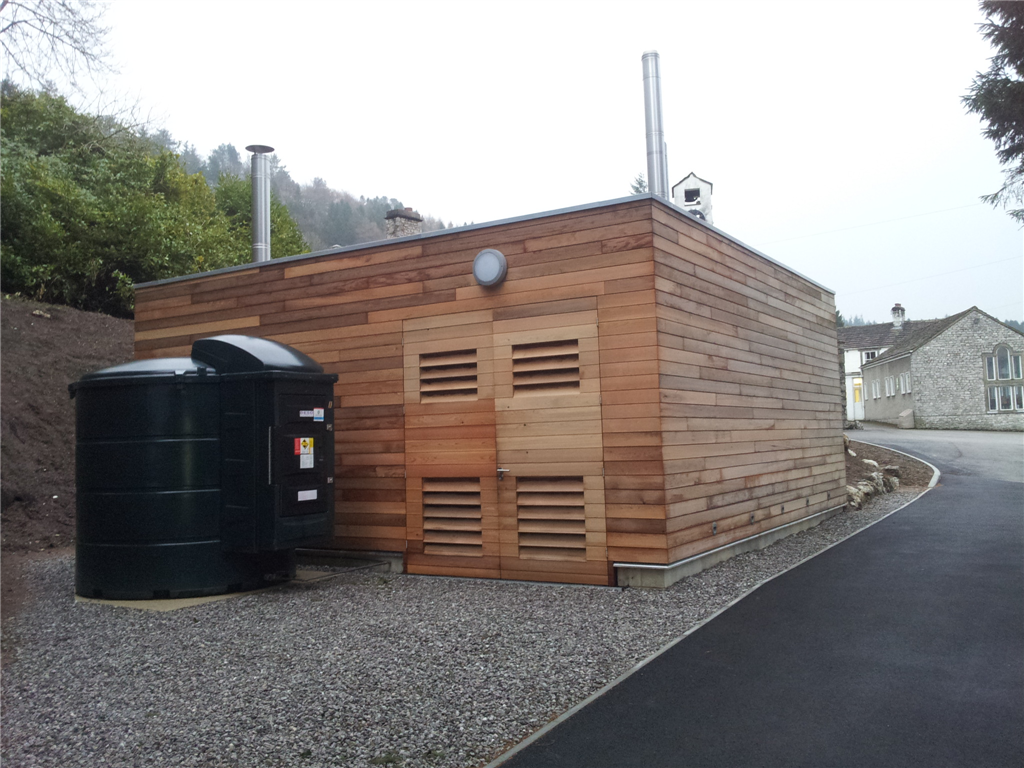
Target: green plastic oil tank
[(156, 443)]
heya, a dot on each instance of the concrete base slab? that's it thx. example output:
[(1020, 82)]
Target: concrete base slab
[(662, 576), (188, 602)]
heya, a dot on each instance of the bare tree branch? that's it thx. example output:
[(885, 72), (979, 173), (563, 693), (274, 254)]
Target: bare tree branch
[(43, 38)]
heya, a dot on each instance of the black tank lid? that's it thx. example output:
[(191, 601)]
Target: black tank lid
[(249, 354), (161, 367)]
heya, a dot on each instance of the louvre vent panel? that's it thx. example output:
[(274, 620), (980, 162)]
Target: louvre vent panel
[(448, 375), (452, 517), (551, 518), (549, 367)]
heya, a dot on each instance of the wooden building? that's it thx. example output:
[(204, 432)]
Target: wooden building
[(640, 396)]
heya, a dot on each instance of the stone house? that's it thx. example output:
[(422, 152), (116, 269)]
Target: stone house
[(961, 372), (859, 344)]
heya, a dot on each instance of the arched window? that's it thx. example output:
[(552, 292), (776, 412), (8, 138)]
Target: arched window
[(1004, 365)]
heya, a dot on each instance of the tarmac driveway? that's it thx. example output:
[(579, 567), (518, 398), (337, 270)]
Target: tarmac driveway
[(903, 645), (992, 455)]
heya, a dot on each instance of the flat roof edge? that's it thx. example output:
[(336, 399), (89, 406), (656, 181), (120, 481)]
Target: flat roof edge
[(474, 227)]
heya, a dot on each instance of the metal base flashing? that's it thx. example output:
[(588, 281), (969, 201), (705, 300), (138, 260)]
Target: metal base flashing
[(662, 576), (391, 562)]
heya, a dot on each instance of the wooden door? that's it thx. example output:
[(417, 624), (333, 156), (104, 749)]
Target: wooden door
[(548, 429), (450, 453), (503, 449)]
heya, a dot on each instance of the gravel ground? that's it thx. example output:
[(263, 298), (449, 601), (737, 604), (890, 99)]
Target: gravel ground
[(361, 669)]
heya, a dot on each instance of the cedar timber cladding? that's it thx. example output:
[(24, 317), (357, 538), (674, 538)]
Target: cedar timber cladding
[(640, 389)]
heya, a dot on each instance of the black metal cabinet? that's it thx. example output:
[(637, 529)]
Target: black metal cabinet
[(277, 445)]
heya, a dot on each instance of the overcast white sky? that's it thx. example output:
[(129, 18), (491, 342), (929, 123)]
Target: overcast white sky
[(833, 132)]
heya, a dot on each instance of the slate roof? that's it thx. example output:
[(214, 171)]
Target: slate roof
[(919, 336), (879, 335), (913, 335)]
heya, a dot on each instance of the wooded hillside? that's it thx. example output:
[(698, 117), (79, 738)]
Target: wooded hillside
[(326, 216), (93, 205)]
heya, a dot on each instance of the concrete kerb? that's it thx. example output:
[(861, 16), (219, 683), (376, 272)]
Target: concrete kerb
[(552, 724)]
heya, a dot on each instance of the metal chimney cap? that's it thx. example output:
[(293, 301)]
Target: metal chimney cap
[(649, 53), (259, 149)]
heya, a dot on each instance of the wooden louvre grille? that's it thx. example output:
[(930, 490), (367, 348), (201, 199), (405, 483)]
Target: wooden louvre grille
[(548, 367), (551, 518), (448, 375), (452, 516)]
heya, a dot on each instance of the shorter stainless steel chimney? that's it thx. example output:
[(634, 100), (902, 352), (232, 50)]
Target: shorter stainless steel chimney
[(260, 201), (657, 154)]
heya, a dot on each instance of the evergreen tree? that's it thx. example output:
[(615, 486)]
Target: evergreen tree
[(224, 160), (190, 159), (998, 97), (234, 200)]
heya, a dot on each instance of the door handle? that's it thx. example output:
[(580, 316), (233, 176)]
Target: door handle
[(501, 473)]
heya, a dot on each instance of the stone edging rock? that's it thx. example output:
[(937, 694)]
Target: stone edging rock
[(885, 480)]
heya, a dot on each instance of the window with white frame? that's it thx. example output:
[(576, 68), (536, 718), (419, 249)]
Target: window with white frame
[(869, 356), (890, 386), (1004, 366), (1006, 398), (904, 383), (875, 390)]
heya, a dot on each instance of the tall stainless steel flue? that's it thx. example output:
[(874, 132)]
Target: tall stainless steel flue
[(260, 201), (657, 153)]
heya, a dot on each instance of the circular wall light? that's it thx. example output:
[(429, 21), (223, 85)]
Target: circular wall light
[(489, 267)]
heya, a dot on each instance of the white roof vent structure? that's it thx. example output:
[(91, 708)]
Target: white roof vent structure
[(693, 195)]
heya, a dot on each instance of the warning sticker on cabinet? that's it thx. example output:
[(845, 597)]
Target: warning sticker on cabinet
[(316, 414), (307, 495), (304, 450)]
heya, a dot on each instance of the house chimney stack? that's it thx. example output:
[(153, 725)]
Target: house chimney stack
[(402, 222), (899, 314)]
